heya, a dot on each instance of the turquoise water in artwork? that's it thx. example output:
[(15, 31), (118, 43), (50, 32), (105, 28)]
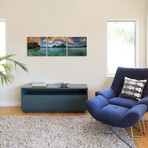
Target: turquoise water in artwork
[(56, 51), (36, 52), (81, 51)]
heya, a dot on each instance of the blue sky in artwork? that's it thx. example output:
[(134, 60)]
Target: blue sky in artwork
[(43, 42), (77, 41)]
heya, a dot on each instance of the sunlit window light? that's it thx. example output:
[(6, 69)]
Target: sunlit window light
[(121, 45)]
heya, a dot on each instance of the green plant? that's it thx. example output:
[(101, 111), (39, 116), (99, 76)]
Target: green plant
[(6, 75)]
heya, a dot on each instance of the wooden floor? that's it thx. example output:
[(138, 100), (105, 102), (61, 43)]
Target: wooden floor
[(139, 142)]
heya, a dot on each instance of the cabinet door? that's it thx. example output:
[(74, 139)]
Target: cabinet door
[(53, 103)]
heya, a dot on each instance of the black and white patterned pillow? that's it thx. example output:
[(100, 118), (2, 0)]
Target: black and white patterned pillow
[(132, 88)]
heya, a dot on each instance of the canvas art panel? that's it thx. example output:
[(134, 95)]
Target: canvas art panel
[(77, 46), (36, 46), (56, 46)]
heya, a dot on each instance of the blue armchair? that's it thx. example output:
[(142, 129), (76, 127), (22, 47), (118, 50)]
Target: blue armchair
[(107, 107)]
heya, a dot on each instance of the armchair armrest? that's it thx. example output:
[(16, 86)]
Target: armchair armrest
[(106, 93), (95, 104), (144, 100), (134, 115)]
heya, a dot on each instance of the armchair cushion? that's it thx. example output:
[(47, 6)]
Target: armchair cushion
[(129, 103), (112, 114), (106, 93)]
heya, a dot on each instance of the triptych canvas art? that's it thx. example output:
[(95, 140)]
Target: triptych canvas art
[(57, 46)]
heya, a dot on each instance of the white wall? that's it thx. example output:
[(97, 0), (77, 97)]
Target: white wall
[(147, 32), (65, 18)]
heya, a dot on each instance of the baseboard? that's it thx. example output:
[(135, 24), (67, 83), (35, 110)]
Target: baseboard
[(10, 104)]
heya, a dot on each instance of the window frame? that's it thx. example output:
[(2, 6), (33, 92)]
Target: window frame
[(136, 51), (3, 20)]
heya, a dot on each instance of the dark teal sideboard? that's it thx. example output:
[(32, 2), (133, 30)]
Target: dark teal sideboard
[(53, 98)]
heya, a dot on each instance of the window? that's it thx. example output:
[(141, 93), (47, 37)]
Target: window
[(2, 41), (121, 45), (2, 38)]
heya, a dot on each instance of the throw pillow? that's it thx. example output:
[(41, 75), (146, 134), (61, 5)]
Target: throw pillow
[(132, 88)]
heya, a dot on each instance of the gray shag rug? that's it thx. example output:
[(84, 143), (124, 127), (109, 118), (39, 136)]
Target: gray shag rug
[(60, 132)]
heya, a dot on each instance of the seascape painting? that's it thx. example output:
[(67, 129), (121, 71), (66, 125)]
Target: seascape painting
[(36, 46), (77, 46), (56, 46)]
